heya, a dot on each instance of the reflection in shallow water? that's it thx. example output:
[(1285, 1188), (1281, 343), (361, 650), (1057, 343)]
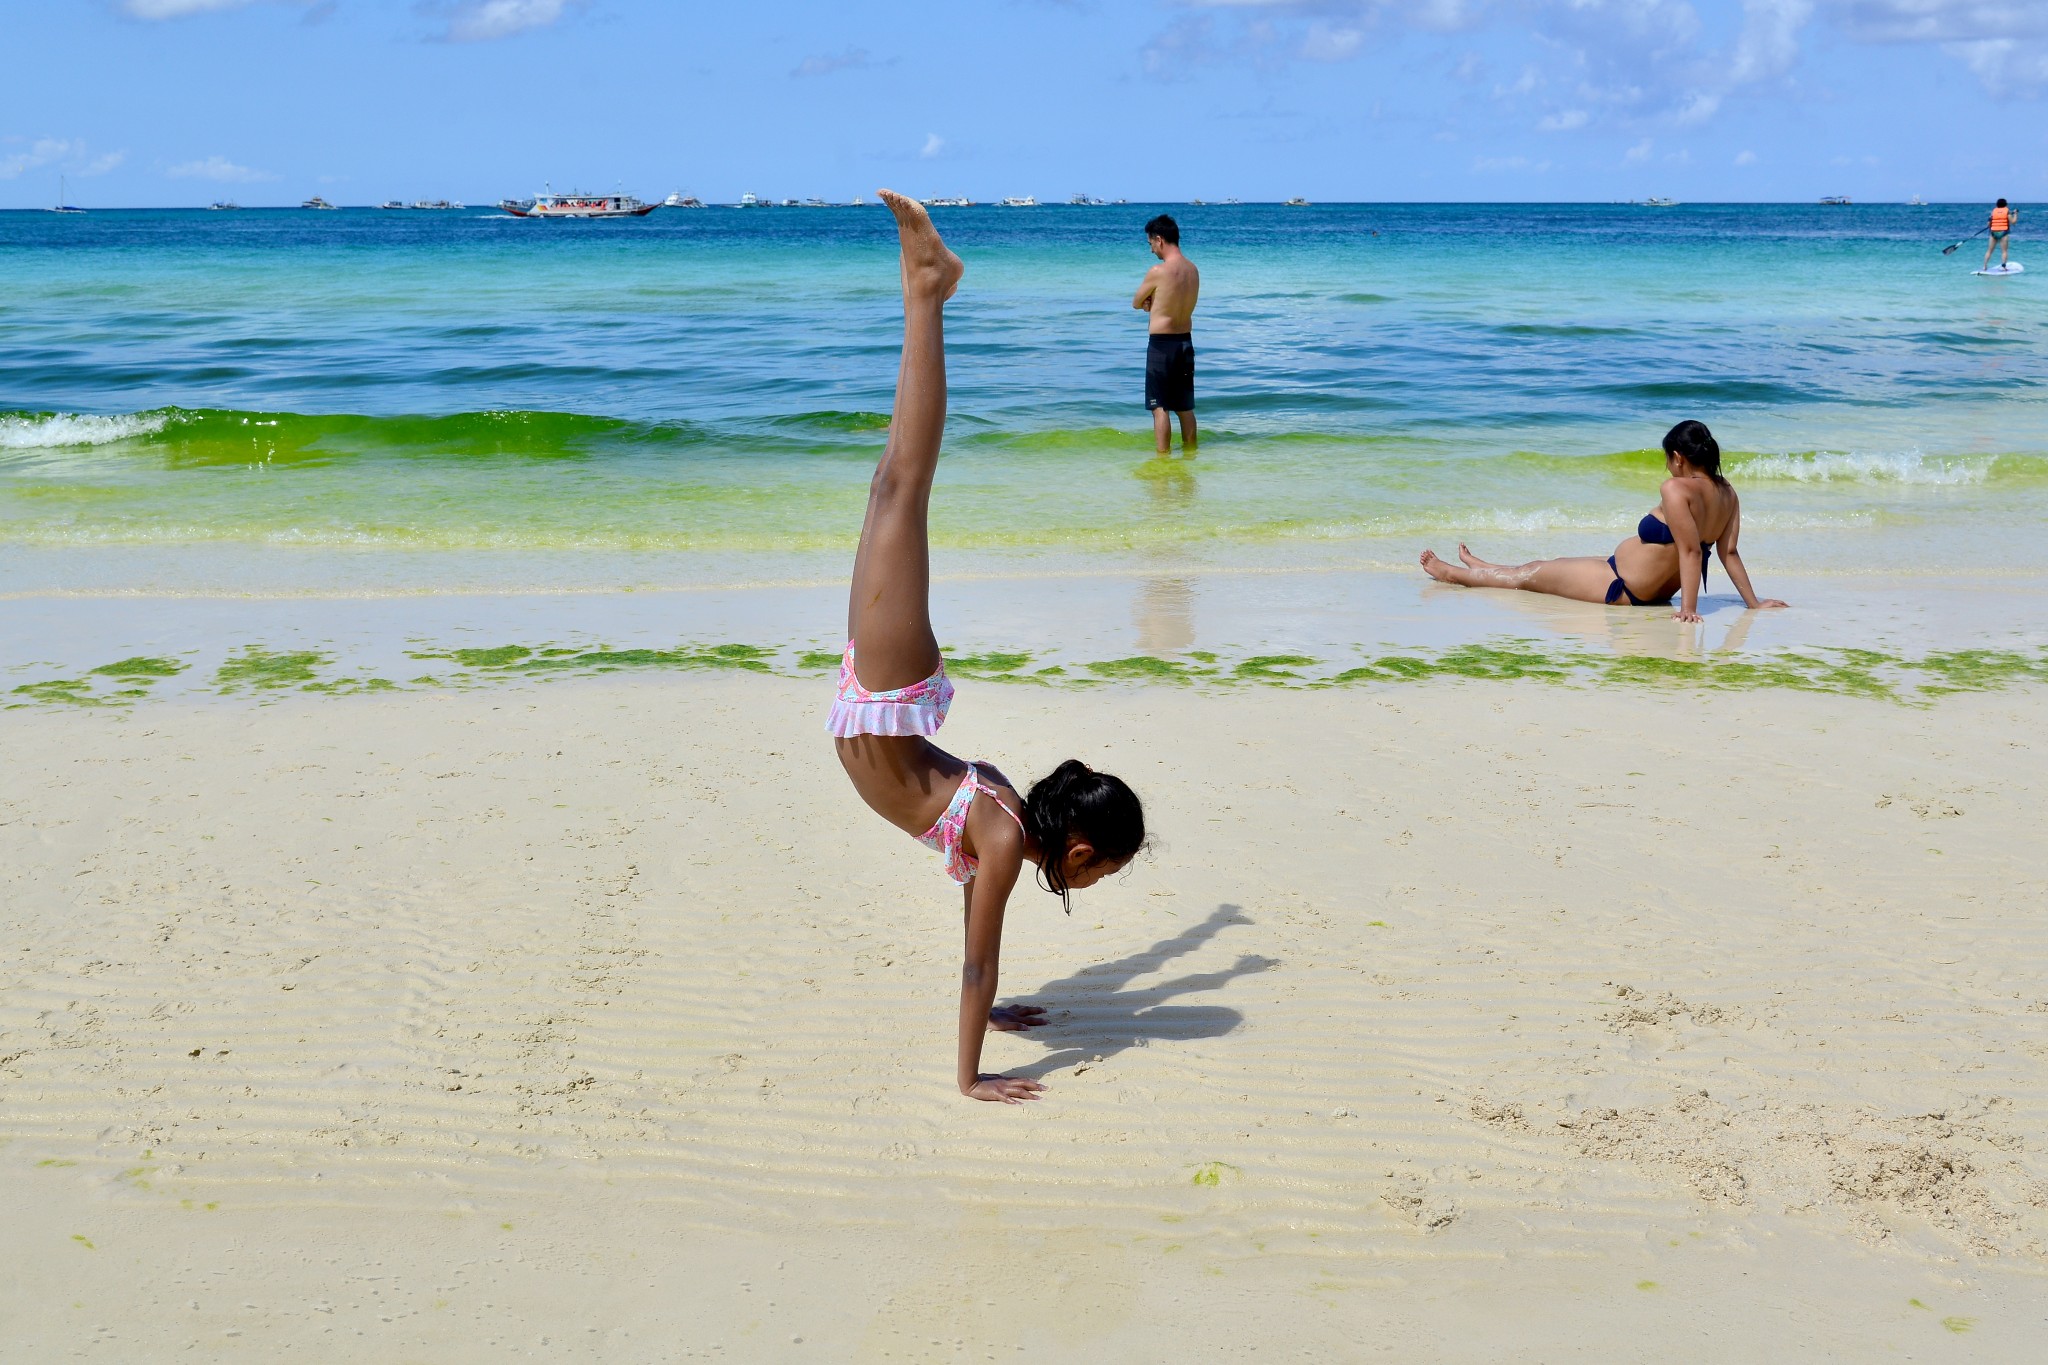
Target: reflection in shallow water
[(1164, 612)]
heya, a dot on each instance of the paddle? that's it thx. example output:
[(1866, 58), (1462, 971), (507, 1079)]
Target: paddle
[(1950, 249)]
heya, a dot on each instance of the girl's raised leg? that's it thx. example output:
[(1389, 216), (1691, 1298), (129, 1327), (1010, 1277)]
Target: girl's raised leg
[(888, 613)]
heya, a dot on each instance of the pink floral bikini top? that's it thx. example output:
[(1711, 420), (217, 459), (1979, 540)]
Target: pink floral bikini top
[(945, 836)]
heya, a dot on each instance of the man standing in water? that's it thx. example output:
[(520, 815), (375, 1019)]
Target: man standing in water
[(1168, 294), (2002, 220)]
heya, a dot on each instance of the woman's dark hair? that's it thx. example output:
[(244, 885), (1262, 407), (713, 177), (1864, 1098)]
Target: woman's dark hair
[(2001, 203), (1165, 229), (1697, 444), (1073, 800)]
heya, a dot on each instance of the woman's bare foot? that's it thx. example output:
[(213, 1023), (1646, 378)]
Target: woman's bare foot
[(1436, 568), (929, 269), (1472, 561)]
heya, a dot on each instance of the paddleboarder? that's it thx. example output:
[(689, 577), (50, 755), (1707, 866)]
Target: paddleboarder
[(2002, 220)]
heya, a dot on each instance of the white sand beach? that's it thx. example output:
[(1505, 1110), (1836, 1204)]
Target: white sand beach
[(596, 1020)]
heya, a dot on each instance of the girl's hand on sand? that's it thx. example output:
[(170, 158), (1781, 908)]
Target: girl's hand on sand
[(1015, 1018), (1770, 602), (1691, 616), (1006, 1089)]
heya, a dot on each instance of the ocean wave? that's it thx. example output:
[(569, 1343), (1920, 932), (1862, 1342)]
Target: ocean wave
[(1892, 467), (62, 430)]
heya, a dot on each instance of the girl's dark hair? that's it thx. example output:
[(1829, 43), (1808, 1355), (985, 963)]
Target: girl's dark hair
[(1697, 444), (1073, 800)]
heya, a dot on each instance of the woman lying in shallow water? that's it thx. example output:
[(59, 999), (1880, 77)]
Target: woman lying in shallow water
[(1666, 557)]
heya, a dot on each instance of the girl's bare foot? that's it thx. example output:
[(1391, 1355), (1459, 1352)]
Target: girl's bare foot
[(929, 269), (1472, 561), (1436, 568)]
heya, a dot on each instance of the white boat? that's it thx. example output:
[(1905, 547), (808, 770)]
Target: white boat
[(1916, 202), (60, 206), (1838, 200), (220, 205), (957, 202), (748, 201), (1233, 200), (576, 204), (433, 204), (1297, 202), (316, 202), (391, 204), (1085, 201), (679, 200), (1016, 202), (856, 202), (816, 204)]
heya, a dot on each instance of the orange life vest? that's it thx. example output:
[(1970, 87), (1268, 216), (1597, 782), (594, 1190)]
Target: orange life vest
[(2001, 220)]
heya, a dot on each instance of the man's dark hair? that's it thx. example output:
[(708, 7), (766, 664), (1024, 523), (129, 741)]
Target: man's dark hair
[(1165, 229), (2001, 204)]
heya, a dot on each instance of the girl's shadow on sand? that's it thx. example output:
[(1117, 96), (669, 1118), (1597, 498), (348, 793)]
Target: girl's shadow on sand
[(1094, 1017)]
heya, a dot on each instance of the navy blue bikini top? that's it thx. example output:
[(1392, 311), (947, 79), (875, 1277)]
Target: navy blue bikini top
[(1651, 530)]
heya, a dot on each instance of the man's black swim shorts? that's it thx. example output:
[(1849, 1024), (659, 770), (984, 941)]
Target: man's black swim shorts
[(1170, 372)]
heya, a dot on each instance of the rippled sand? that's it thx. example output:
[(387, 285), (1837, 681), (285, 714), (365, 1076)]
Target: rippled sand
[(599, 1021)]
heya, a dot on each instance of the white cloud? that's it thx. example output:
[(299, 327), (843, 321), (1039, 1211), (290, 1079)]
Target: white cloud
[(1639, 153), (216, 168), (178, 9), (1745, 158), (933, 146), (852, 59), (1564, 121), (1487, 165), (68, 154), (481, 21)]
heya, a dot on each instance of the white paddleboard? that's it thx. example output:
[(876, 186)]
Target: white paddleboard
[(2014, 269)]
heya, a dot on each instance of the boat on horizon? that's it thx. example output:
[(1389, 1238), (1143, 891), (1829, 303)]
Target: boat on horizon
[(1658, 202), (1085, 201), (577, 204), (221, 205), (748, 201), (1297, 202), (392, 204), (679, 200), (316, 202), (1838, 200), (62, 194), (432, 204), (942, 202), (1020, 202), (1916, 202)]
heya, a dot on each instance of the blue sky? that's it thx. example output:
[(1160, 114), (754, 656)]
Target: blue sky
[(147, 102)]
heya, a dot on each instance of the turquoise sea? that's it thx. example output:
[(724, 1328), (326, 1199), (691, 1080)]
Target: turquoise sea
[(267, 404)]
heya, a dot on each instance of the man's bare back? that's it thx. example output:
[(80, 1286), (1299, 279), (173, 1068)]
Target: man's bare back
[(1169, 290)]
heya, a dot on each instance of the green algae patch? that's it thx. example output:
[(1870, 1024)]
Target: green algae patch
[(1213, 1173), (513, 659), (1956, 1325), (256, 667), (58, 691), (141, 667), (1267, 667), (994, 666), (818, 660), (1145, 668)]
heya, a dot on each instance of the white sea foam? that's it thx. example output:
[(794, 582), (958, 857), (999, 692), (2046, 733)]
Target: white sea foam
[(69, 429), (1905, 467)]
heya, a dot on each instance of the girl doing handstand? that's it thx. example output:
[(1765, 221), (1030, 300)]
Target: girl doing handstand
[(1077, 825)]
